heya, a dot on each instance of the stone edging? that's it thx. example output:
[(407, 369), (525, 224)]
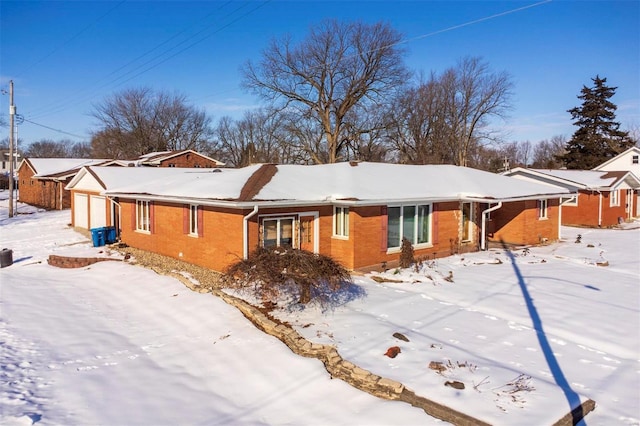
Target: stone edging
[(335, 365), (75, 262)]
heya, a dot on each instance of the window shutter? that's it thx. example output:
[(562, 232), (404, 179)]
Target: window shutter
[(383, 228), (186, 213), (434, 223), (200, 223), (151, 217)]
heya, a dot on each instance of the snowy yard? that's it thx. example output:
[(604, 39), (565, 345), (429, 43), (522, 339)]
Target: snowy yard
[(528, 332)]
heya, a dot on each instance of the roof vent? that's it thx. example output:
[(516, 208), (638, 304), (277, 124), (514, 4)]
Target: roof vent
[(216, 170), (353, 163)]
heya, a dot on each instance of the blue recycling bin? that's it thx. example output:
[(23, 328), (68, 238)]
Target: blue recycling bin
[(98, 236), (110, 234)]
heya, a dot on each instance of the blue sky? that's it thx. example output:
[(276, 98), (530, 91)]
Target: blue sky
[(65, 56)]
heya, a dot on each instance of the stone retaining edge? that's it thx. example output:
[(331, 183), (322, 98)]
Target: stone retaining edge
[(358, 377)]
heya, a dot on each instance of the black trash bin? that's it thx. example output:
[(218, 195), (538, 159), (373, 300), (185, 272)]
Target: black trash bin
[(6, 257)]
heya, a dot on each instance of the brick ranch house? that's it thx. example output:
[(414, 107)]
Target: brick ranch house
[(356, 213), (603, 199), (43, 181)]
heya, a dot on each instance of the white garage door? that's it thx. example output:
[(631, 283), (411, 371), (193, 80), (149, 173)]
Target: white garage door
[(98, 206), (80, 211)]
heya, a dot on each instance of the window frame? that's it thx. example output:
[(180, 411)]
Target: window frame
[(143, 218), (278, 220), (341, 222), (469, 227), (193, 220), (543, 209), (614, 198), (416, 226)]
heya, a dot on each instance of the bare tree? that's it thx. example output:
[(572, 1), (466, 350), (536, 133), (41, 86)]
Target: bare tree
[(47, 148), (416, 126), (472, 95), (337, 69), (257, 138), (138, 121), (547, 152)]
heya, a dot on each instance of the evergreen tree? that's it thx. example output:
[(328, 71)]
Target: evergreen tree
[(598, 137)]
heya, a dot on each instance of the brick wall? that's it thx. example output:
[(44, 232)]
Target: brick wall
[(188, 159), (42, 193), (586, 212), (222, 241), (518, 223)]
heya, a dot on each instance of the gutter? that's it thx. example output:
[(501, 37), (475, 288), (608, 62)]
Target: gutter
[(484, 221), (245, 232), (560, 214)]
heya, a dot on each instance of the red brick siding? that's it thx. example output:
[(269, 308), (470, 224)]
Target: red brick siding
[(188, 159), (518, 223), (42, 193), (586, 212)]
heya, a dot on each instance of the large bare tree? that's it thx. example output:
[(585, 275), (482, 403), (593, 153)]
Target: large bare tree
[(138, 121), (473, 94), (336, 69)]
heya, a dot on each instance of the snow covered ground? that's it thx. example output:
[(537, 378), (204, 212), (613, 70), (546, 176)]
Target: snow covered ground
[(528, 333)]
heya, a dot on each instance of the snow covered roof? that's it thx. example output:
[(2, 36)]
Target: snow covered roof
[(59, 167), (357, 183), (155, 158), (581, 179)]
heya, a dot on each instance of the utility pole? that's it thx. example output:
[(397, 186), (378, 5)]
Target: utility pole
[(12, 114)]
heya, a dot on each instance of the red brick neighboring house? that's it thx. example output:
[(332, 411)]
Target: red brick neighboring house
[(357, 213), (602, 198), (42, 180), (186, 158)]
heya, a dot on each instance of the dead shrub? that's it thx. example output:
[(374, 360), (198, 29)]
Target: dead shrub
[(270, 273), (406, 254)]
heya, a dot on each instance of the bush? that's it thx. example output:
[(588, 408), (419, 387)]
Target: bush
[(270, 273), (406, 254)]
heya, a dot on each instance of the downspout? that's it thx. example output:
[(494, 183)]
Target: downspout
[(60, 183), (484, 223), (599, 208), (245, 233)]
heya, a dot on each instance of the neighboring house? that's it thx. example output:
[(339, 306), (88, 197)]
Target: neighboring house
[(603, 198), (185, 158), (5, 163), (357, 213), (628, 160), (42, 180)]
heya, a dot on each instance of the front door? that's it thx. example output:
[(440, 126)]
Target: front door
[(307, 233)]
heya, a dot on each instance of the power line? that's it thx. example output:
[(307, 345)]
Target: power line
[(56, 49), (55, 108), (55, 130)]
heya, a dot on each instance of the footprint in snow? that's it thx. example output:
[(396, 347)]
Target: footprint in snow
[(424, 296), (558, 341), (507, 343), (481, 337), (491, 317)]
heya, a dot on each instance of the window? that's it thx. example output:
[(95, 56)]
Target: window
[(143, 216), (467, 211), (277, 232), (634, 159), (341, 221), (572, 202), (615, 198), (542, 209), (412, 222), (193, 219)]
